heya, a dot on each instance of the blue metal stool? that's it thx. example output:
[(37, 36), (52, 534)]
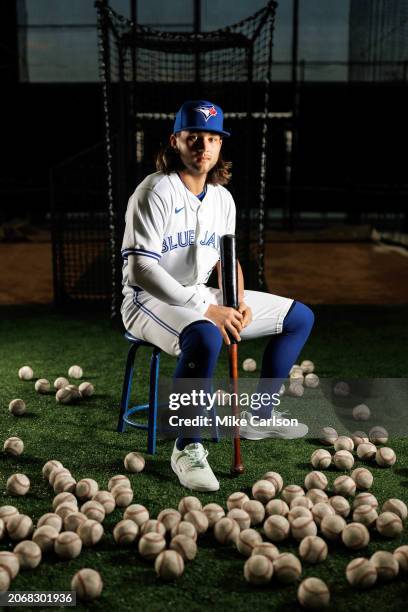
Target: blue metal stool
[(127, 411)]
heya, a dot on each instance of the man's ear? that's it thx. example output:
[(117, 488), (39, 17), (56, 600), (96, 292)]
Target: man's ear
[(173, 141)]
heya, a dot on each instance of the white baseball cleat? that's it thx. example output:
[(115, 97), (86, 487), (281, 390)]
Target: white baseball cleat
[(260, 428), (192, 468)]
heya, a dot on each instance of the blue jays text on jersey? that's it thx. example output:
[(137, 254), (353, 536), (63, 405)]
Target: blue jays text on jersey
[(187, 238)]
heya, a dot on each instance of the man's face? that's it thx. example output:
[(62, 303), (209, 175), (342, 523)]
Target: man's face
[(199, 151)]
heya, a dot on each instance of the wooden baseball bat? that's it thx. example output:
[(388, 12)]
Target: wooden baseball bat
[(229, 274)]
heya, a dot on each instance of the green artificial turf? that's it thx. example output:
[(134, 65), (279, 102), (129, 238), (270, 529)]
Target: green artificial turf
[(353, 342)]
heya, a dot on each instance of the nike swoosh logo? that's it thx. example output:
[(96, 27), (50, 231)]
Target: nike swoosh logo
[(177, 210)]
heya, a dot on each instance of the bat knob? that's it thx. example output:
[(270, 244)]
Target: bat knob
[(236, 470)]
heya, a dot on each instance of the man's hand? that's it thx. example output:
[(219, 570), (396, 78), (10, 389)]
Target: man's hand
[(227, 320), (246, 314)]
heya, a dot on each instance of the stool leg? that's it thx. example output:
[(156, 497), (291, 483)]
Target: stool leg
[(153, 401), (127, 386)]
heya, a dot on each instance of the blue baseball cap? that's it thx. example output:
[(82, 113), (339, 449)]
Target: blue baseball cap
[(200, 115)]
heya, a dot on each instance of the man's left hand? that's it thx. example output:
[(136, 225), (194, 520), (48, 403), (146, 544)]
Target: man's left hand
[(246, 313)]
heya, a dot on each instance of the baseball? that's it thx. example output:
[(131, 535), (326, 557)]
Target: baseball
[(249, 365), (290, 492), (343, 443), (363, 478), (185, 546), (151, 545), (17, 407), (385, 457), (75, 392), (313, 594), (64, 395), (28, 553), (296, 389), (136, 513), (258, 570), (321, 459), (276, 506), (303, 502), (389, 524), (341, 389), (332, 526), (299, 511), (187, 529), (287, 568), (51, 519), (86, 488), (106, 499), (263, 491), (313, 549), (365, 514), (57, 471), (62, 498), (10, 563), (226, 531), (169, 517), (361, 573), (303, 526), (276, 528), (118, 479), (25, 373), (93, 510), (316, 496), (189, 503), (307, 366), (344, 485), (241, 517), (340, 505), (255, 510), (44, 537), (267, 549), (359, 437), (73, 521), (4, 580), (75, 371), (153, 526), (61, 383), (214, 512), (320, 510), (125, 532), (365, 498), (400, 554), (49, 466), (13, 446), (169, 565), (397, 506), (18, 484), (134, 462), (235, 500), (378, 435), (276, 479), (295, 367), (42, 385), (122, 495), (316, 480), (2, 529), (328, 435), (247, 540), (386, 565), (64, 483), (87, 583), (65, 509), (361, 412), (6, 512), (86, 389), (366, 451), (90, 532), (312, 381), (297, 377), (343, 460), (68, 545), (355, 536)]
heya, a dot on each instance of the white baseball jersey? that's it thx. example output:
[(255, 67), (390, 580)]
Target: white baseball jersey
[(166, 224)]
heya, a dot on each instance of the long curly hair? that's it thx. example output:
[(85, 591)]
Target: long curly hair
[(168, 160)]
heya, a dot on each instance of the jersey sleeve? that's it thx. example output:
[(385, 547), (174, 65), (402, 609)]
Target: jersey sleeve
[(145, 223), (231, 215)]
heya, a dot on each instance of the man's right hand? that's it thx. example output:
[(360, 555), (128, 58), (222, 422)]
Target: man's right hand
[(227, 320)]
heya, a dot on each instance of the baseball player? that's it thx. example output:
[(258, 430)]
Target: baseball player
[(174, 221)]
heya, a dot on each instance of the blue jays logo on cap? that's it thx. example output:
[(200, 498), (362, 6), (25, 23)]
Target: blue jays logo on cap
[(200, 115)]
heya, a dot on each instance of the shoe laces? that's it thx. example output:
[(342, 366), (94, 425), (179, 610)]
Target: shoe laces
[(194, 456), (277, 413)]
